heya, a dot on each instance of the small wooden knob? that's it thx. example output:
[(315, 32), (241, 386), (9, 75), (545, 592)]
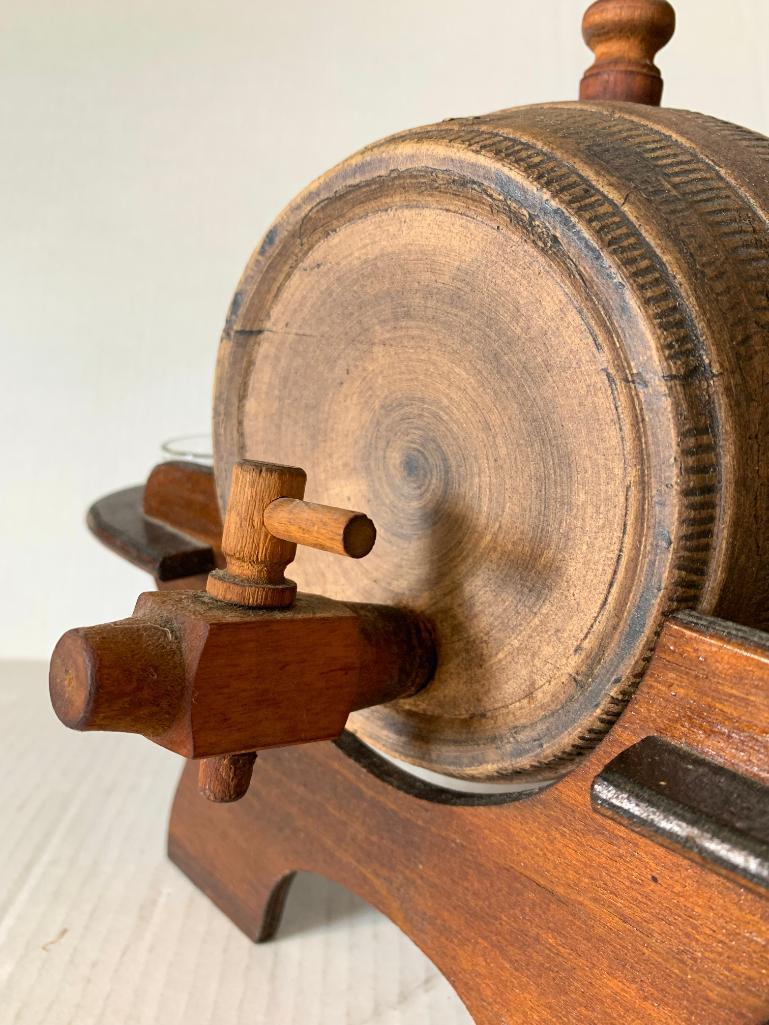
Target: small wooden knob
[(625, 35), (226, 778)]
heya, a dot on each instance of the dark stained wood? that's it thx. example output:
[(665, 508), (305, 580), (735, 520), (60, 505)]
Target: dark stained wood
[(119, 522), (182, 495), (532, 346), (625, 35), (537, 910), (381, 653), (692, 804), (194, 583), (204, 677), (149, 529)]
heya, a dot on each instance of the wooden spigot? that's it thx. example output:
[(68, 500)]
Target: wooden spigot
[(266, 520), (247, 664), (625, 35)]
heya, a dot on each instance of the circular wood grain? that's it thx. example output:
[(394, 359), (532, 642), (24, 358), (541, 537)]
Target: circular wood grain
[(533, 348)]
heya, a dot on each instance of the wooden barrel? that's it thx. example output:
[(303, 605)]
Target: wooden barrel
[(534, 347)]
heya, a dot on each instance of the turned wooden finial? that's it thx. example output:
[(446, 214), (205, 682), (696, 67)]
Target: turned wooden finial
[(625, 35)]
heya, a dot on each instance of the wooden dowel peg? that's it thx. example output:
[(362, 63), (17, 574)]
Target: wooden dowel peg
[(625, 35), (339, 531), (226, 778)]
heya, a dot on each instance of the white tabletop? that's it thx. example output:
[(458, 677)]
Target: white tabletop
[(98, 928)]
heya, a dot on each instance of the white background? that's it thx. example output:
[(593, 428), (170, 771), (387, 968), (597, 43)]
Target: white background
[(145, 148)]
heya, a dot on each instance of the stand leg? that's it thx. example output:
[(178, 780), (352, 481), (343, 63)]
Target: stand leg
[(537, 910)]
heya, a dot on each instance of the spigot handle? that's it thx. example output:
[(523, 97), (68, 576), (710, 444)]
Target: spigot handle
[(339, 531), (266, 519)]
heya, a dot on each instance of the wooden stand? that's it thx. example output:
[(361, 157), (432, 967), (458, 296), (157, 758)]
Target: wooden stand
[(634, 889), (542, 909)]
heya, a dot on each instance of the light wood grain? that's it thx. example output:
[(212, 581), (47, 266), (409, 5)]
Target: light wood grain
[(97, 928), (339, 531), (532, 346)]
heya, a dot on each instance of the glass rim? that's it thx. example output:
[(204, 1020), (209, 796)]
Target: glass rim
[(189, 446)]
